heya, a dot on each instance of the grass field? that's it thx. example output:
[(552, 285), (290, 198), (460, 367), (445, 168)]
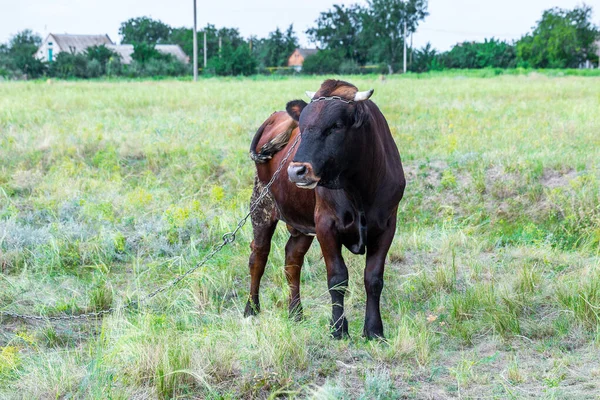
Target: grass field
[(110, 189)]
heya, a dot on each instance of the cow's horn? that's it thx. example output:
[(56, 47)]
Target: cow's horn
[(362, 96), (310, 94)]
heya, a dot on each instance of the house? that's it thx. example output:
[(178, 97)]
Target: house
[(56, 43), (126, 50), (296, 60)]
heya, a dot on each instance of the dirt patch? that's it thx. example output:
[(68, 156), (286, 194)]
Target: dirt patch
[(26, 180), (502, 184), (428, 174), (554, 179)]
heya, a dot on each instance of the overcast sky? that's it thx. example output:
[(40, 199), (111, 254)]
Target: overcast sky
[(449, 22)]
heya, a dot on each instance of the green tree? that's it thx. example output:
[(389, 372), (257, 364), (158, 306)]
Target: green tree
[(68, 65), (144, 30), (384, 27), (425, 59), (275, 50), (184, 37), (19, 55), (230, 39), (340, 30), (144, 52), (103, 57), (561, 39), (6, 63), (324, 62), (373, 33), (490, 53), (232, 61)]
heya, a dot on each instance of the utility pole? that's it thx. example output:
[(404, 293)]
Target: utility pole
[(411, 49), (204, 47), (220, 45), (404, 45), (195, 46)]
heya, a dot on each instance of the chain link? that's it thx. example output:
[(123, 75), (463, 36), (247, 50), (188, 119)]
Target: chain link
[(227, 239), (323, 98)]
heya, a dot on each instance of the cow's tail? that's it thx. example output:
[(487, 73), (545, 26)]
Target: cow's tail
[(274, 145)]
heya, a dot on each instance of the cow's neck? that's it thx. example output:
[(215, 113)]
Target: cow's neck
[(368, 171)]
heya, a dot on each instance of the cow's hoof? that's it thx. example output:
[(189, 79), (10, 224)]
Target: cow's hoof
[(251, 309), (373, 333), (340, 330), (374, 336), (296, 313)]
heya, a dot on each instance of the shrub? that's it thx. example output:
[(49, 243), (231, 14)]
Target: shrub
[(17, 59), (68, 65), (94, 69), (144, 52), (232, 61), (154, 67), (561, 39), (165, 67), (324, 62), (101, 56), (491, 53), (424, 60), (349, 67), (114, 67)]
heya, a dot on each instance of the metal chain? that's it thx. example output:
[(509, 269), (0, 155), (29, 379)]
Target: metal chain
[(227, 239), (323, 98)]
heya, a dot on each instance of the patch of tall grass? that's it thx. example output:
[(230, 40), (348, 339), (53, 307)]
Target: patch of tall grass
[(110, 188)]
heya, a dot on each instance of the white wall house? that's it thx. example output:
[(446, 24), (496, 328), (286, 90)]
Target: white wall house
[(55, 44), (126, 50)]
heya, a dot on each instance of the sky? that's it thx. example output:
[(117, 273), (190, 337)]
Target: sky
[(449, 22)]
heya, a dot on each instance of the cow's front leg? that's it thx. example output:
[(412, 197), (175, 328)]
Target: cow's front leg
[(377, 249), (337, 276)]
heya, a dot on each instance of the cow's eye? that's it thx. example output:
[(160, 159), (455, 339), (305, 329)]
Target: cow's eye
[(334, 128)]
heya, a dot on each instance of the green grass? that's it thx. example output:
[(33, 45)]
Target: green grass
[(108, 189)]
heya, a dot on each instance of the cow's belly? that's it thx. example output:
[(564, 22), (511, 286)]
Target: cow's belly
[(298, 212)]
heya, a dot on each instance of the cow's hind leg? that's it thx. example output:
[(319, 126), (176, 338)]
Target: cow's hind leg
[(264, 222), (295, 249)]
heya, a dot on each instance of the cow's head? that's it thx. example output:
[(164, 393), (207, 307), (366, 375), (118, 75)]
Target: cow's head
[(329, 124)]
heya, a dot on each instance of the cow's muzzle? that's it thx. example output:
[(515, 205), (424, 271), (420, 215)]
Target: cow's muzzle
[(302, 175)]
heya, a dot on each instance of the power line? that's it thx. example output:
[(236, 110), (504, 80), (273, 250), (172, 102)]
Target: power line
[(469, 33)]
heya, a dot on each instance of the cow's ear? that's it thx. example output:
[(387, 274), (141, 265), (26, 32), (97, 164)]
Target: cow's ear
[(361, 115), (294, 108)]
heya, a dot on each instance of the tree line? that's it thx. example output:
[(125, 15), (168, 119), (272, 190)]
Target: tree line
[(351, 37), (561, 39), (228, 53), (348, 38)]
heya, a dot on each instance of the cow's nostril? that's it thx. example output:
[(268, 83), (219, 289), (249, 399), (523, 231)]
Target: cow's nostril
[(301, 174), (301, 171)]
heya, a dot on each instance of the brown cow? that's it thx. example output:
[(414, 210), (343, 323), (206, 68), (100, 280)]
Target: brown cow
[(348, 156)]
